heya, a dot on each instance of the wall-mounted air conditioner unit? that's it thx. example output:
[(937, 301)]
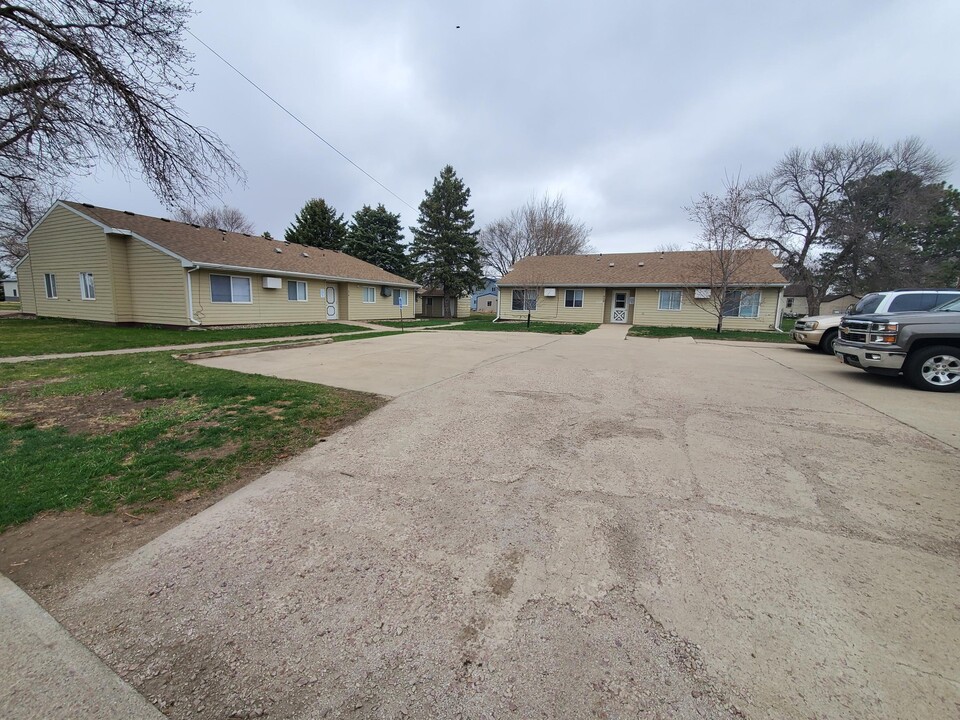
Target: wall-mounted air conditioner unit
[(701, 293), (272, 283), (386, 292), (549, 292)]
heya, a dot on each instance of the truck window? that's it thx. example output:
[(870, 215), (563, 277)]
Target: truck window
[(947, 297), (914, 302), (868, 304)]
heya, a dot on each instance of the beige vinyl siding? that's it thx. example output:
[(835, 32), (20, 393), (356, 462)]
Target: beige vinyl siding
[(382, 308), (268, 306), (28, 299), (694, 313), (66, 244), (551, 309), (463, 307), (158, 286), (117, 257)]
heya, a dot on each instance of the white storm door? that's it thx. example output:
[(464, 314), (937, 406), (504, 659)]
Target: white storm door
[(618, 314), (331, 302)]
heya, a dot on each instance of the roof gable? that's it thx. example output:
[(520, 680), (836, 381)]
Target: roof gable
[(209, 247), (685, 267)]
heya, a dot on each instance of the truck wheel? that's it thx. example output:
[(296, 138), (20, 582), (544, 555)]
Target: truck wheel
[(827, 341), (934, 368)]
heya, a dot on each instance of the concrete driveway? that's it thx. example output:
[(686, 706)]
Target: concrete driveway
[(565, 527)]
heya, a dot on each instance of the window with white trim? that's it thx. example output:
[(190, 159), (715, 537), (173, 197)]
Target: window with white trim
[(296, 290), (524, 300), (369, 294), (741, 303), (50, 283), (230, 289), (573, 299), (400, 297), (669, 300), (87, 291)]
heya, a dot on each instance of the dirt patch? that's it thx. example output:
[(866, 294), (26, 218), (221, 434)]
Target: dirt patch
[(214, 453), (102, 412)]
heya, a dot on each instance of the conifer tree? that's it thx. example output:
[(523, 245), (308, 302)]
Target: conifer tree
[(318, 225), (445, 246), (376, 236)]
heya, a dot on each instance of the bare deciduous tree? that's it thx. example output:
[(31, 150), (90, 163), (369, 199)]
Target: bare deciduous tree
[(791, 205), (541, 227), (668, 247), (91, 79), (21, 207), (725, 250), (226, 218)]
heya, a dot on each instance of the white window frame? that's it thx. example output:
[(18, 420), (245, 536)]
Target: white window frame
[(87, 293), (743, 294), (679, 306), (528, 300), (373, 294), (231, 301), (293, 283), (50, 281), (574, 291), (404, 297)]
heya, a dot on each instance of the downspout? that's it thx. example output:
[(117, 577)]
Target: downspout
[(190, 316)]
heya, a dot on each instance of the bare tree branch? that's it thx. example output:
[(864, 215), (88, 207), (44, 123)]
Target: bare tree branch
[(85, 80), (226, 218), (541, 227)]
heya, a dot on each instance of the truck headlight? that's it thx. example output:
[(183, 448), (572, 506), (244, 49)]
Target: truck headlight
[(885, 327), (812, 325)]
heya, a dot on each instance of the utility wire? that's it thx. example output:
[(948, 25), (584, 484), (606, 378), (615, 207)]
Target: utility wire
[(301, 122)]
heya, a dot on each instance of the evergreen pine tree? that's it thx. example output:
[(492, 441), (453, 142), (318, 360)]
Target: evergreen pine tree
[(445, 245), (318, 225), (375, 235)]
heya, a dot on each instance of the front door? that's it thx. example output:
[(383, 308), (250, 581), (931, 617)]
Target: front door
[(331, 302), (618, 314)]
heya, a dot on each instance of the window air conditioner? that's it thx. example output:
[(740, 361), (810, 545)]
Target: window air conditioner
[(272, 283), (386, 292), (549, 292), (701, 294)]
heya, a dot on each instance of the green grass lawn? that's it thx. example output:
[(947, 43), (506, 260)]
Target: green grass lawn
[(437, 322), (130, 430), (703, 334), (39, 336), (485, 323)]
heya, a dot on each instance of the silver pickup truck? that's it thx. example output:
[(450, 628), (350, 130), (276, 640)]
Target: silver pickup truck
[(924, 346)]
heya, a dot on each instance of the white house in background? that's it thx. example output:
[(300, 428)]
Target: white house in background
[(11, 290)]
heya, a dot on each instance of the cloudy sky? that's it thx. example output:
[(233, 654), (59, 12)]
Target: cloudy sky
[(627, 108)]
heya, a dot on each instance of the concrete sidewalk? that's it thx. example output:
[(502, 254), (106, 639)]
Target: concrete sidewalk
[(48, 674)]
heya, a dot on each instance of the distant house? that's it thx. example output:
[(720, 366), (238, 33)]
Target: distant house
[(487, 302), (489, 286), (11, 290), (113, 266), (795, 302), (430, 304), (663, 289)]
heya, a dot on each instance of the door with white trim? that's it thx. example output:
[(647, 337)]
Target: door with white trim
[(618, 313), (331, 296)]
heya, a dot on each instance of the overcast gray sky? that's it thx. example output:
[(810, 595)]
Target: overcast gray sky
[(629, 109)]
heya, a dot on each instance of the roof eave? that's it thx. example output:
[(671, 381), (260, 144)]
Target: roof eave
[(291, 273)]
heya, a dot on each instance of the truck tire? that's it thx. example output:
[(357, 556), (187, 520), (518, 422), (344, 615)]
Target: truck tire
[(936, 368), (827, 341)]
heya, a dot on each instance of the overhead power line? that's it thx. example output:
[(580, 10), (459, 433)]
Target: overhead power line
[(301, 122)]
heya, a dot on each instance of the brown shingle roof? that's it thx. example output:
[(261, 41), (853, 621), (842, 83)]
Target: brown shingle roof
[(686, 267), (210, 247)]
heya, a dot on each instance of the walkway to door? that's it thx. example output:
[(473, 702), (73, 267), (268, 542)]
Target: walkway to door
[(610, 331)]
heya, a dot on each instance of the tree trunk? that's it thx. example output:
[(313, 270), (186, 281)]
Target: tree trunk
[(813, 301), (720, 323)]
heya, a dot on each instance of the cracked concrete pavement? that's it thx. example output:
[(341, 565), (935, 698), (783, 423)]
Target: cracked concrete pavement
[(565, 527)]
